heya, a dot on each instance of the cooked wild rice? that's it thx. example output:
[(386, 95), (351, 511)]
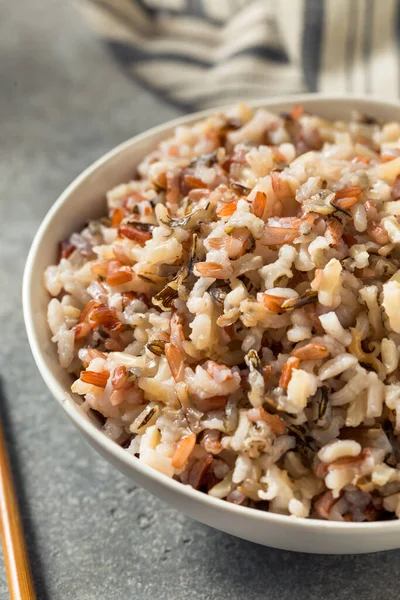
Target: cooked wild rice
[(235, 318)]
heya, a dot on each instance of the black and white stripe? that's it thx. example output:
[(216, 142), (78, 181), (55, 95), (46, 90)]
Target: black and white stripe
[(199, 53), (312, 41)]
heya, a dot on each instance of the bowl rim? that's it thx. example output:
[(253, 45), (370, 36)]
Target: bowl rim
[(84, 424)]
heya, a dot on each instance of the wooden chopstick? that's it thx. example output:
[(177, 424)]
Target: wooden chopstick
[(15, 556)]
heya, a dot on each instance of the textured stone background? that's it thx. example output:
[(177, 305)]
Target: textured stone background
[(93, 534)]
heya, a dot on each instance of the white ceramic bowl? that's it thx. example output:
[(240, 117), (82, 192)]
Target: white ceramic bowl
[(84, 199)]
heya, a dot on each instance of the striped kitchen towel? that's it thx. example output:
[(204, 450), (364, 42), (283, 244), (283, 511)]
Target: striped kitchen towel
[(198, 53)]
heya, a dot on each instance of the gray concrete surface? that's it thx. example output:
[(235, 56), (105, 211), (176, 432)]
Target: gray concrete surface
[(94, 535)]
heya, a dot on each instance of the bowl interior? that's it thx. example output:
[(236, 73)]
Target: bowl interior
[(85, 198)]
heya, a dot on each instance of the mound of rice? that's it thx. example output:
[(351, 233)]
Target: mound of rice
[(235, 319)]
